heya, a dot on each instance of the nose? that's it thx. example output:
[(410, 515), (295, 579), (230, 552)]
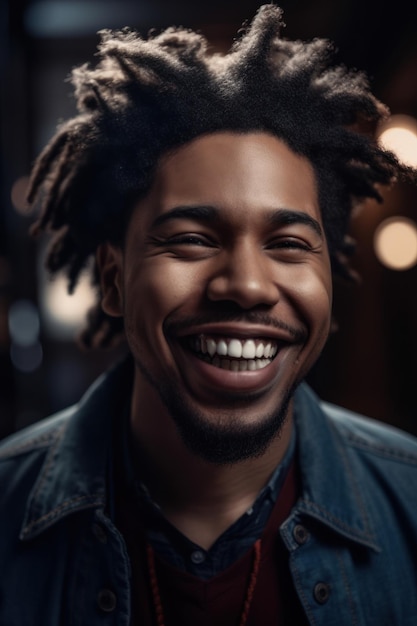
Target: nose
[(246, 277)]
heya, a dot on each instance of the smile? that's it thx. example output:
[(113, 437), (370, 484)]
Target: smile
[(233, 354)]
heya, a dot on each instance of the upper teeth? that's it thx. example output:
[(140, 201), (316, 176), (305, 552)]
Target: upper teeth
[(236, 348)]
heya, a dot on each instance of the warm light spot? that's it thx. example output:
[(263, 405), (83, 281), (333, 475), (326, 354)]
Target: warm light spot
[(399, 135), (64, 313), (18, 194), (395, 243)]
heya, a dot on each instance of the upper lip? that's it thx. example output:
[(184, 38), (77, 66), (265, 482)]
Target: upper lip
[(241, 331)]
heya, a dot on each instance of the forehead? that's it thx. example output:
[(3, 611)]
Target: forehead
[(244, 173)]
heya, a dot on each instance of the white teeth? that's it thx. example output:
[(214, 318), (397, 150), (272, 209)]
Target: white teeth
[(249, 349), (237, 366), (211, 347), (235, 349), (252, 354), (259, 350), (222, 348)]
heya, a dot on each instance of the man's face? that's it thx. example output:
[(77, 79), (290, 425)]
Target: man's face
[(225, 288)]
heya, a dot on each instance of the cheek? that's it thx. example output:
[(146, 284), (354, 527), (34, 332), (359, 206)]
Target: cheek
[(312, 299), (160, 287), (313, 294)]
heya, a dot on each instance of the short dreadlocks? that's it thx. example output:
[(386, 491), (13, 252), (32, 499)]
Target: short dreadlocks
[(147, 96)]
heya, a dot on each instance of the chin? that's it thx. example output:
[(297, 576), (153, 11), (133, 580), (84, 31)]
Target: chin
[(227, 439)]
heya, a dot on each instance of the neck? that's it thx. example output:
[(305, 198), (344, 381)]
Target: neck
[(200, 498)]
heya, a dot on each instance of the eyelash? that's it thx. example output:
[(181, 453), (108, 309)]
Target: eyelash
[(186, 239), (290, 244), (189, 239)]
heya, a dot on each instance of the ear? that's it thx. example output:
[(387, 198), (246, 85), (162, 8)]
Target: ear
[(109, 260)]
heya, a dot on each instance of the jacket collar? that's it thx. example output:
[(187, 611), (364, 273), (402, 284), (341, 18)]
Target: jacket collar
[(331, 490), (75, 473)]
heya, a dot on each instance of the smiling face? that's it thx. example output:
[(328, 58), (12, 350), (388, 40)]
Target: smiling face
[(225, 287)]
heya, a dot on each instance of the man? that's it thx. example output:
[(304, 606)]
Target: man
[(201, 481)]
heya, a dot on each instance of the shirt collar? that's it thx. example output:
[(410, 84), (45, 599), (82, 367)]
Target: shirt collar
[(75, 471)]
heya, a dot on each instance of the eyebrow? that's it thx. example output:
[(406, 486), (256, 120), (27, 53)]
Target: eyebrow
[(277, 217), (290, 216), (198, 213)]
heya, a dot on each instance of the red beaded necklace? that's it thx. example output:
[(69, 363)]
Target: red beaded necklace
[(156, 594)]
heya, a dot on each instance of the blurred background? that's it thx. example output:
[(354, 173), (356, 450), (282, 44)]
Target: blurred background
[(369, 364)]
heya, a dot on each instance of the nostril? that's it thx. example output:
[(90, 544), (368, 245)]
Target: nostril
[(244, 290)]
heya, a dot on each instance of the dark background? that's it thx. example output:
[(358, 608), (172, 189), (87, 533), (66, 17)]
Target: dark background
[(370, 364)]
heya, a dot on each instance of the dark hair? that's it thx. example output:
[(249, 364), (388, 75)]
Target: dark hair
[(147, 96)]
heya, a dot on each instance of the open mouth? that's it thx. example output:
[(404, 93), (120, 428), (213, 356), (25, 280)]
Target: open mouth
[(232, 353)]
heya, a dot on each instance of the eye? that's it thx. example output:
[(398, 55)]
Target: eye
[(185, 245), (189, 239), (289, 243), (289, 249)]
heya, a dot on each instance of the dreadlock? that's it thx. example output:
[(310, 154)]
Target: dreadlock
[(147, 96)]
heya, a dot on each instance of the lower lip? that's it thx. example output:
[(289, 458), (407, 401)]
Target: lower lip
[(219, 379)]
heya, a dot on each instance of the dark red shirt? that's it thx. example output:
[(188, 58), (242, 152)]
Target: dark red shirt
[(188, 601)]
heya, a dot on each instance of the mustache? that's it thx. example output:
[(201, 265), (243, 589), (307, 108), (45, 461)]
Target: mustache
[(175, 326)]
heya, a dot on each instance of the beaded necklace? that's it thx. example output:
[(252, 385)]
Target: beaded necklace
[(156, 594)]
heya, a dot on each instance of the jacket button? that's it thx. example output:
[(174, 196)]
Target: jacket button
[(198, 557), (106, 600), (321, 593), (300, 534)]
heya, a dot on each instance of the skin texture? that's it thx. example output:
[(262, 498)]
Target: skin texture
[(227, 244)]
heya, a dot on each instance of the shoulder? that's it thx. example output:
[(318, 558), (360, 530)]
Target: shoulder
[(325, 424), (358, 474), (97, 401), (340, 446), (380, 459), (372, 437)]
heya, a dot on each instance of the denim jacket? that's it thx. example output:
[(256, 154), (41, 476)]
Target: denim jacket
[(352, 535)]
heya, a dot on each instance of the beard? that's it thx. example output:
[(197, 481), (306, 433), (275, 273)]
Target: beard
[(227, 441)]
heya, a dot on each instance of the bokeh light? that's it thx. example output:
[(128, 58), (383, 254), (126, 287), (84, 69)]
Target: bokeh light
[(395, 243), (64, 314), (399, 135), (26, 351), (23, 323), (18, 194)]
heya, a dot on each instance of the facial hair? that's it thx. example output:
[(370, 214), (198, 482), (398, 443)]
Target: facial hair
[(228, 441)]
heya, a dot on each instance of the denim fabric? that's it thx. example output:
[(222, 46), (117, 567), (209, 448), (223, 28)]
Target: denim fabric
[(352, 535)]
